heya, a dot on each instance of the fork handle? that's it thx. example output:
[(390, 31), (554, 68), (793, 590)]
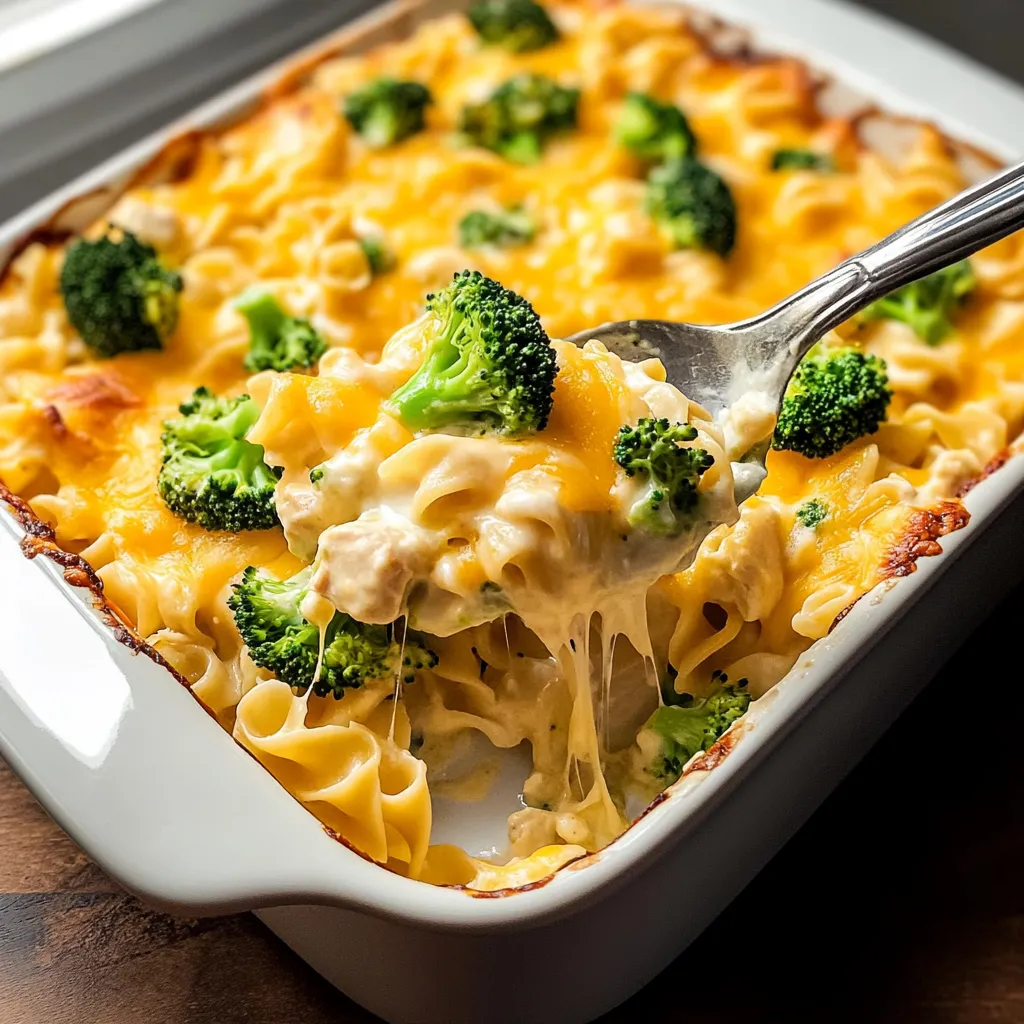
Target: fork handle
[(958, 228)]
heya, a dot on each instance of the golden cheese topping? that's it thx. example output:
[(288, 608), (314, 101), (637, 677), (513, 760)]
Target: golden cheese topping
[(286, 200)]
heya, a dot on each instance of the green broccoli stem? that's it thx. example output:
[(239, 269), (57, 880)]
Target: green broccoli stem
[(489, 365), (449, 377), (654, 131), (210, 474), (381, 126), (277, 341), (245, 461), (379, 257), (265, 317), (208, 434)]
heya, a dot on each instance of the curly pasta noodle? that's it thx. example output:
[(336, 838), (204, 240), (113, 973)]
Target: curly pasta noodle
[(283, 200)]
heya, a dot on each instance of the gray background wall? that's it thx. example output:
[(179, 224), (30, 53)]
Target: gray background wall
[(988, 30)]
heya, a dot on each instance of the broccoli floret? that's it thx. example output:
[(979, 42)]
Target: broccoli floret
[(693, 206), (210, 474), (802, 160), (489, 366), (654, 131), (833, 398), (280, 639), (517, 25), (928, 305), (277, 341), (416, 657), (674, 733), (379, 257), (118, 295), (652, 451), (519, 117), (513, 226), (387, 111), (812, 513)]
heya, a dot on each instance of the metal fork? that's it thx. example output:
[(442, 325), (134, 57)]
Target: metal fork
[(714, 366)]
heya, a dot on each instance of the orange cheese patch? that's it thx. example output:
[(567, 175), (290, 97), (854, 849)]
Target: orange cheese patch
[(587, 413), (294, 402)]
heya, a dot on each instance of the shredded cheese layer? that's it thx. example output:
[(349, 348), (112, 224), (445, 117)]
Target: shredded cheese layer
[(282, 200)]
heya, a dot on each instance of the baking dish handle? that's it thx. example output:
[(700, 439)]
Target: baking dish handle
[(120, 754)]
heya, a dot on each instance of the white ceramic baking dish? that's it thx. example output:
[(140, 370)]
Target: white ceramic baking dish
[(123, 757)]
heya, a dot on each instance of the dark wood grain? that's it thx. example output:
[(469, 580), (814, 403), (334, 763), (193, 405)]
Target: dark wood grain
[(902, 900)]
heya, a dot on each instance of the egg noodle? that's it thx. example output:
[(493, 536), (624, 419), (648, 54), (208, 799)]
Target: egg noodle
[(546, 635)]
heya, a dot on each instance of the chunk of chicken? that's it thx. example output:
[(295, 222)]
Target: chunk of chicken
[(365, 567), (745, 565), (157, 225)]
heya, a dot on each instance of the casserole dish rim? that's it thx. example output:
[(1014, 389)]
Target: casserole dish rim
[(771, 719)]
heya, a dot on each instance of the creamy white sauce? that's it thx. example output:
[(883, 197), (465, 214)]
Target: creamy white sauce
[(399, 523), (748, 421)]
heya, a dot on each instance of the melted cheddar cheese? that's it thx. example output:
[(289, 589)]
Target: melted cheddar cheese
[(283, 198)]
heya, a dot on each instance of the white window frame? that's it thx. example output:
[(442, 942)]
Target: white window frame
[(31, 28)]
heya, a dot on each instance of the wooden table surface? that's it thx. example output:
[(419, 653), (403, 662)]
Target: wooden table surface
[(901, 900)]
